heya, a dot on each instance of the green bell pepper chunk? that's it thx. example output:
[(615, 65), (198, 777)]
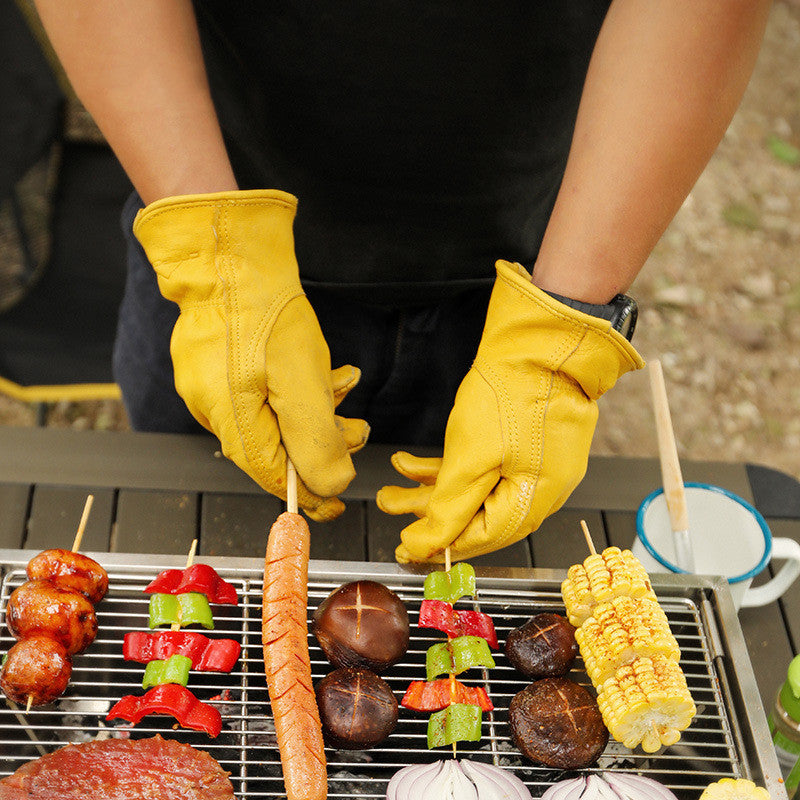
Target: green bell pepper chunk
[(456, 723), (191, 608), (450, 586), (174, 670), (457, 655)]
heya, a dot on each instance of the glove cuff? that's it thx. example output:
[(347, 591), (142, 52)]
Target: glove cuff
[(185, 236), (562, 339)]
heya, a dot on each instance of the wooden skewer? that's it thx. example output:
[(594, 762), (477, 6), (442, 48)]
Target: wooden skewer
[(671, 476), (176, 626), (29, 703), (76, 545), (291, 487), (588, 537)]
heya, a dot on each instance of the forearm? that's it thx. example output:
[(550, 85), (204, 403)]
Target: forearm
[(138, 69), (664, 81)]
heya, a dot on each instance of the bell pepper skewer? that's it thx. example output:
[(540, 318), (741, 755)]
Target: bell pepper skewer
[(76, 545), (451, 677)]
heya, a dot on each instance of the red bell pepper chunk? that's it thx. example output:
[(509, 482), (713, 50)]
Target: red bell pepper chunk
[(172, 699), (438, 694), (197, 578), (207, 655), (476, 623), (443, 617)]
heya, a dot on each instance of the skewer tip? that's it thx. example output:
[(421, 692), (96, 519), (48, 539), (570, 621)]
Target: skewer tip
[(291, 487), (588, 537), (76, 544), (29, 703)]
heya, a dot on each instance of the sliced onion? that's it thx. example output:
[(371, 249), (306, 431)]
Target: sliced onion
[(569, 789), (453, 780), (403, 780), (638, 787), (609, 786), (598, 789), (494, 783), (450, 784)]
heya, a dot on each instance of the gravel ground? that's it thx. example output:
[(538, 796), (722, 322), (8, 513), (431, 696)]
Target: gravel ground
[(720, 295)]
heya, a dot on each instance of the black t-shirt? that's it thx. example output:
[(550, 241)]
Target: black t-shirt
[(423, 140)]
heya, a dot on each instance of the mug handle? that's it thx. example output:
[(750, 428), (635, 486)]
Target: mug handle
[(788, 549)]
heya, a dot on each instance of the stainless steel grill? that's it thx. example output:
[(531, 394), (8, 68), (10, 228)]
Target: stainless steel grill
[(727, 739)]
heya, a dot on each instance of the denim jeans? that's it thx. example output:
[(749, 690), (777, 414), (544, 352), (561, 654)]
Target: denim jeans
[(412, 359)]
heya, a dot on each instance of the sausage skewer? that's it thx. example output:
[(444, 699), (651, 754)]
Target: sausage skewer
[(76, 546), (52, 617), (287, 663)]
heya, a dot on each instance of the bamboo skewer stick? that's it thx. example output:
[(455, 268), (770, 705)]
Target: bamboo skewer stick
[(76, 544), (588, 537), (291, 487), (671, 477)]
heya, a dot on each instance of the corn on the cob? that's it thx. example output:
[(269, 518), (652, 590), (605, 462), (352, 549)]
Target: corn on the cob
[(734, 789), (646, 702), (602, 577), (621, 630)]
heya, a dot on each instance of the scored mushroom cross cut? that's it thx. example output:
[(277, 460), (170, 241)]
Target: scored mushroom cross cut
[(359, 607)]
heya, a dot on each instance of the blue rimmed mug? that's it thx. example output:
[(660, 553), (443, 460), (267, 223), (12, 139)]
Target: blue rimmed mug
[(729, 538)]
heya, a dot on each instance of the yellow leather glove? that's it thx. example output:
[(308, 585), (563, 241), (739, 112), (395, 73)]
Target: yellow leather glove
[(517, 439), (250, 360)]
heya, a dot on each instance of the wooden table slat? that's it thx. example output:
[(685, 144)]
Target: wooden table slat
[(559, 542), (13, 513), (56, 513), (155, 522), (237, 524)]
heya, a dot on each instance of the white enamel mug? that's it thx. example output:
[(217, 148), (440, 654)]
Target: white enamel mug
[(729, 538)]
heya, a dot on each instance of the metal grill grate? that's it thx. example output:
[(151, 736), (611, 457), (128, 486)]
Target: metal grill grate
[(247, 748)]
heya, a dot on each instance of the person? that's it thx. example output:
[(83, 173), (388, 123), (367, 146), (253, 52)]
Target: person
[(479, 185)]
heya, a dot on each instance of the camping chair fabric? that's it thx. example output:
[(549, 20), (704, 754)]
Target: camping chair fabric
[(57, 333)]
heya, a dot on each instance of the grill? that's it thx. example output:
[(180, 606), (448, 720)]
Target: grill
[(728, 738)]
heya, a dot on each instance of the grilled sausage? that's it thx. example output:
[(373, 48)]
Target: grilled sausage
[(41, 608), (70, 570), (286, 660), (38, 668)]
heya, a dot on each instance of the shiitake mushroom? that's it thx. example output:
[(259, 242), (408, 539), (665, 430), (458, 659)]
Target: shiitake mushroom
[(357, 708), (543, 647), (557, 722), (362, 624)]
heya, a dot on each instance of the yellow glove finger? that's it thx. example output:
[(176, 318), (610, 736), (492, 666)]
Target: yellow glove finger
[(416, 468), (343, 380), (404, 500), (355, 432), (454, 509)]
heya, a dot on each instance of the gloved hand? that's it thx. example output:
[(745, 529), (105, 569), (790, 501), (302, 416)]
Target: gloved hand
[(250, 360), (517, 439)]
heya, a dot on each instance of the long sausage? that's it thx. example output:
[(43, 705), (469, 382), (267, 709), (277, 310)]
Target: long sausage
[(284, 635)]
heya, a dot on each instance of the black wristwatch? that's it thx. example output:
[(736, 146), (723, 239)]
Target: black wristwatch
[(621, 312)]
